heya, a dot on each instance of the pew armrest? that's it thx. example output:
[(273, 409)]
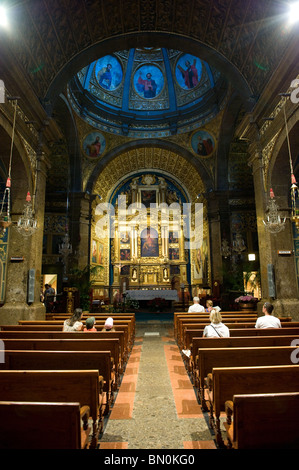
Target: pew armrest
[(209, 381), (229, 409), (84, 415)]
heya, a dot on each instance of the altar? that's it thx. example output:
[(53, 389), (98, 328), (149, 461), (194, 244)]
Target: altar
[(150, 294)]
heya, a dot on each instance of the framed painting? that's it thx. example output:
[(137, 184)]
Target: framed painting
[(94, 144), (148, 197), (94, 251), (148, 81), (100, 254), (109, 73), (188, 71), (149, 243), (125, 254), (174, 253), (203, 143), (173, 237)]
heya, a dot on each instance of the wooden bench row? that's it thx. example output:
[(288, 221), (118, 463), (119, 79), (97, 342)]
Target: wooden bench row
[(216, 390), (85, 387), (54, 366)]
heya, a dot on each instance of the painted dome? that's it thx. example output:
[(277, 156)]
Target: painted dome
[(149, 92)]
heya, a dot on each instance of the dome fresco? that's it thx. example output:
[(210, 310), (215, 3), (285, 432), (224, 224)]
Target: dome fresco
[(149, 92)]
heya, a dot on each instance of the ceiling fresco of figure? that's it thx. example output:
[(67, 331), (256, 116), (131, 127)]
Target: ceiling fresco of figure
[(148, 92)]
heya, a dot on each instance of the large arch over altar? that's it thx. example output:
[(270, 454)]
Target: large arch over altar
[(144, 235)]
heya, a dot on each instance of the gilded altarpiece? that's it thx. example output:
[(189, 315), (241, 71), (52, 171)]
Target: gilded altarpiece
[(139, 240)]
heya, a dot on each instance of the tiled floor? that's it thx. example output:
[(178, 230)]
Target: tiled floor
[(156, 406)]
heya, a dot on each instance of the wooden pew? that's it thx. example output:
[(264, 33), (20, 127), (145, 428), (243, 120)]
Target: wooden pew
[(233, 342), (84, 387), (122, 336), (189, 333), (225, 382), (39, 425), (56, 328), (271, 421), (99, 325), (87, 344), (64, 360), (206, 315), (209, 358)]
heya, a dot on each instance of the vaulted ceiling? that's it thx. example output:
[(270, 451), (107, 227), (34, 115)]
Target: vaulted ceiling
[(50, 41)]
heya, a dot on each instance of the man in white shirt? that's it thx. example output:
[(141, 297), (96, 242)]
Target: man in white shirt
[(268, 320), (196, 307)]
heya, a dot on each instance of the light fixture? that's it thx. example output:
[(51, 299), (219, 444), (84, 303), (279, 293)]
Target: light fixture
[(3, 17), (27, 224), (251, 257), (273, 223), (5, 219), (294, 187), (293, 12)]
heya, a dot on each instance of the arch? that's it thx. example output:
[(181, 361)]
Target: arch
[(143, 39), (132, 149)]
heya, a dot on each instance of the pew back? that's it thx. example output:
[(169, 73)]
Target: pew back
[(266, 421), (40, 425)]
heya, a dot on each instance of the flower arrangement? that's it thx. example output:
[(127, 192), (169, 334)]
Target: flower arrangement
[(246, 299)]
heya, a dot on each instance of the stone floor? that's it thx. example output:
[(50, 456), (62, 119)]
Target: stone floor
[(156, 406)]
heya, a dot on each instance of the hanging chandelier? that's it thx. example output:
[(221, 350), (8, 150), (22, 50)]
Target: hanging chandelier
[(5, 219), (273, 223), (27, 224), (294, 187)]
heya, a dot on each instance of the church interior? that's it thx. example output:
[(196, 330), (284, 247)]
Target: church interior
[(149, 155)]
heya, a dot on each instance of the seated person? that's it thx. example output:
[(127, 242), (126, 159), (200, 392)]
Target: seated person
[(74, 323), (196, 307), (108, 325), (216, 329), (90, 322), (209, 305), (268, 320)]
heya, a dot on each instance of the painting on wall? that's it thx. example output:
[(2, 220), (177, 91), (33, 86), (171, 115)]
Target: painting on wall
[(94, 251), (148, 81), (149, 243), (203, 143), (124, 237), (94, 144), (188, 71), (148, 197), (108, 71), (201, 260), (173, 237), (125, 254), (174, 253), (100, 253)]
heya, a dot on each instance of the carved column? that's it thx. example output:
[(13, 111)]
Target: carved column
[(16, 305)]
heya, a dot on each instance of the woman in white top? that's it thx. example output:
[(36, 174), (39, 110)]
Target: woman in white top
[(74, 323), (216, 328)]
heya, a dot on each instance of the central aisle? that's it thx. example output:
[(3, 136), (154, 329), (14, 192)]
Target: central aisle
[(156, 406)]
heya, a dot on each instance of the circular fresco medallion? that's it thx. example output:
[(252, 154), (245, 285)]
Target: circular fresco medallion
[(94, 144), (203, 143), (109, 72), (148, 81), (188, 71)]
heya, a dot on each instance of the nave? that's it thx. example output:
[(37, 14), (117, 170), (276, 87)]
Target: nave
[(156, 405)]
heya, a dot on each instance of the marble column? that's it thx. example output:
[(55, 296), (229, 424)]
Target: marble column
[(28, 251), (285, 300)]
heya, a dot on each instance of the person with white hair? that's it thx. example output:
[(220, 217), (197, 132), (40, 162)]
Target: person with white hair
[(216, 329), (196, 307), (108, 325)]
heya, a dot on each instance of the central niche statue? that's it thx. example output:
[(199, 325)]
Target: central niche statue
[(149, 243)]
